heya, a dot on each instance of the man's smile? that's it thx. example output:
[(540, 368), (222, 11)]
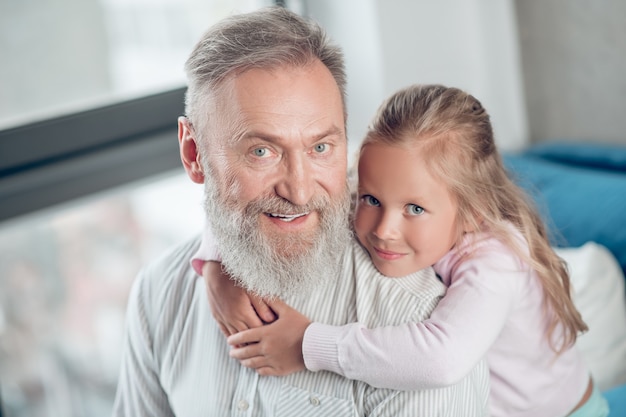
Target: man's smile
[(290, 222), (286, 217)]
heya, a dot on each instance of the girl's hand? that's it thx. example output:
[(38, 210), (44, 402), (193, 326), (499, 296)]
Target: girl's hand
[(276, 348), (232, 307)]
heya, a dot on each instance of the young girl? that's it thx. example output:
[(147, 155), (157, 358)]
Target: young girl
[(433, 191)]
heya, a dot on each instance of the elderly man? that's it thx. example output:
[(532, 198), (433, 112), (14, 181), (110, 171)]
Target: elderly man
[(265, 132)]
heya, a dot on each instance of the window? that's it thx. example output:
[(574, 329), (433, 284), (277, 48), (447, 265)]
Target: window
[(112, 77), (91, 186), (65, 276), (69, 55)]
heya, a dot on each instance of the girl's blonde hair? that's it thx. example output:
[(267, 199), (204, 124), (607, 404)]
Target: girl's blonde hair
[(455, 136)]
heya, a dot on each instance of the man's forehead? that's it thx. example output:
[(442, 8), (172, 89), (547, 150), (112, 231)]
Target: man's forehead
[(265, 78), (283, 101)]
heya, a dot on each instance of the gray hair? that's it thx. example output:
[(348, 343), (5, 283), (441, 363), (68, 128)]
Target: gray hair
[(267, 38)]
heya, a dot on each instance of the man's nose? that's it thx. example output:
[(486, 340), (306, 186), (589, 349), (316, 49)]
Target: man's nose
[(297, 182), (388, 226)]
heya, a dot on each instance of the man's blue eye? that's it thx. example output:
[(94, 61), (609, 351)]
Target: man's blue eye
[(370, 200), (260, 152), (321, 147), (415, 209)]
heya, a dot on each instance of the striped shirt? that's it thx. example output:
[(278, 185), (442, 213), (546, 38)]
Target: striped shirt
[(176, 359)]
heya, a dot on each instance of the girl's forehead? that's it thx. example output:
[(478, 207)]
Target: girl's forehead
[(382, 163), (401, 168), (383, 150)]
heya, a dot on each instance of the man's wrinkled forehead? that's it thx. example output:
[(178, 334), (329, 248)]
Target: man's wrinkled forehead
[(266, 96), (222, 88)]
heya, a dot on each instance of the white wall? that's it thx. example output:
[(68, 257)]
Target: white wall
[(574, 61), (470, 44)]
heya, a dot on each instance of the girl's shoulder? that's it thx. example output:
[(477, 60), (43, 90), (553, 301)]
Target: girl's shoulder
[(482, 252)]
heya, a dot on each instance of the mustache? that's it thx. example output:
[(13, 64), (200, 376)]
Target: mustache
[(275, 204)]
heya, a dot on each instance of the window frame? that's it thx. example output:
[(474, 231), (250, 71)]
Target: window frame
[(63, 158)]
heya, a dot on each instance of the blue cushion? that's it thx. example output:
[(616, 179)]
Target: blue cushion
[(578, 204), (617, 401), (582, 154)]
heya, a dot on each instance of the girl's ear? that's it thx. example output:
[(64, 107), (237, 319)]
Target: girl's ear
[(189, 150), (471, 224), (468, 227)]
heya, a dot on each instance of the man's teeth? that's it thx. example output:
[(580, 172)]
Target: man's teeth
[(286, 217)]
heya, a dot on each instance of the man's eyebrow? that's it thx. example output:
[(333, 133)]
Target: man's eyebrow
[(258, 135), (268, 137), (332, 131)]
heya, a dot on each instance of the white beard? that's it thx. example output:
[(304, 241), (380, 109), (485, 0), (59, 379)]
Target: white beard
[(277, 266)]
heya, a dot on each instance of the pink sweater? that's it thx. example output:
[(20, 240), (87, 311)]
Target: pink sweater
[(493, 307)]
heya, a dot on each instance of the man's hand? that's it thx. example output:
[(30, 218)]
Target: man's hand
[(274, 349), (232, 307)]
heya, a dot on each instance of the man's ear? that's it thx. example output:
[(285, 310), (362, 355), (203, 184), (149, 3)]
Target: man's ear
[(189, 151)]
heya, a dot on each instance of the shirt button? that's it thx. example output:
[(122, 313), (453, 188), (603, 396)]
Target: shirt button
[(315, 401), (242, 405)]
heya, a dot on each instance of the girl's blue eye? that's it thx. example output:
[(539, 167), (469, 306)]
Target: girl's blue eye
[(370, 200), (415, 210), (321, 147)]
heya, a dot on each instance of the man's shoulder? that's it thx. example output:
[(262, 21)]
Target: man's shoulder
[(167, 275), (175, 260)]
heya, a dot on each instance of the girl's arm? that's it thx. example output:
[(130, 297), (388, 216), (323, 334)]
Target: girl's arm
[(232, 307), (276, 348), (434, 353)]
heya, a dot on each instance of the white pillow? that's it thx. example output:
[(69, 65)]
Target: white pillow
[(598, 285)]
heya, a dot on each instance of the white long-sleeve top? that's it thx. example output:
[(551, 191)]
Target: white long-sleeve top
[(176, 360), (493, 307)]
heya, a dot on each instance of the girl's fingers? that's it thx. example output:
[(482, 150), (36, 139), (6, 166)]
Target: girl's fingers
[(253, 363), (276, 305), (245, 353), (240, 326), (243, 338), (251, 318), (263, 310), (267, 371), (231, 330), (224, 329), (251, 357)]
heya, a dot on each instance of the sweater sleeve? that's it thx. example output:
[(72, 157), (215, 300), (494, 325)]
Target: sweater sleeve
[(436, 352), (208, 251)]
